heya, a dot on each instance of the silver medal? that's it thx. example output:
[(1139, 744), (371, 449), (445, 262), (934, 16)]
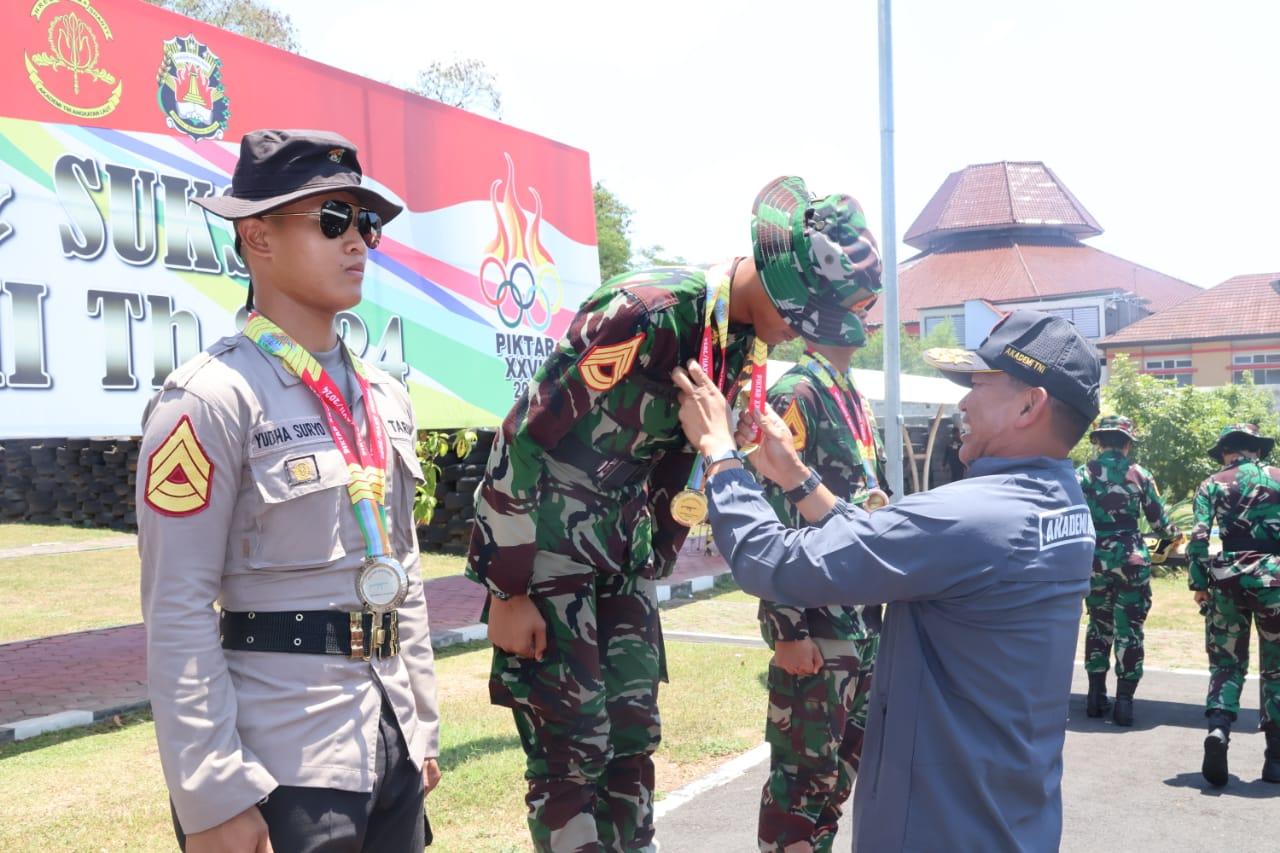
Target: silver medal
[(382, 584)]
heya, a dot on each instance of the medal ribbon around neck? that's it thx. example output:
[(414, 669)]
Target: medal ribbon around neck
[(859, 429), (689, 505), (367, 462)]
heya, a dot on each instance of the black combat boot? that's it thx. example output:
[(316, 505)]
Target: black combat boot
[(1096, 703), (1122, 713), (1214, 768), (1271, 766)]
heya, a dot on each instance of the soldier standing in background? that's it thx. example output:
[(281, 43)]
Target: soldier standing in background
[(821, 670), (581, 507), (1118, 492), (1238, 586)]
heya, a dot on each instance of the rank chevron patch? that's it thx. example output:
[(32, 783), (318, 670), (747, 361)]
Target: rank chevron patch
[(795, 420), (179, 473), (605, 366)]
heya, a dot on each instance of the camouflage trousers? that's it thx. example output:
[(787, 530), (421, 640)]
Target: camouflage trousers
[(1232, 605), (815, 730), (1118, 603), (587, 713)]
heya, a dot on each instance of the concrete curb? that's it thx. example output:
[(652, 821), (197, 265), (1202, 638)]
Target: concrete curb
[(31, 727)]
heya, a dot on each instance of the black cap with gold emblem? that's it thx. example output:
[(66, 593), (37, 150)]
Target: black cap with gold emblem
[(1038, 349)]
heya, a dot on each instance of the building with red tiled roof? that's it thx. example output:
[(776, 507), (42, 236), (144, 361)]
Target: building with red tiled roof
[(1010, 233), (1213, 338)]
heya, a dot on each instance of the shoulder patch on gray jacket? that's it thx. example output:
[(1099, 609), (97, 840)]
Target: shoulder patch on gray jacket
[(1064, 526)]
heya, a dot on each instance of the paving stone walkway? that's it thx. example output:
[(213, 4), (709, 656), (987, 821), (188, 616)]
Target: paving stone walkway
[(75, 679)]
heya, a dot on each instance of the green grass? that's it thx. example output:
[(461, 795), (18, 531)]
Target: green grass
[(101, 788), (61, 593), (725, 609), (436, 565), (15, 535)]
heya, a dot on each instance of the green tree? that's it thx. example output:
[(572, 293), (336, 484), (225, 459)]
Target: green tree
[(251, 18), (467, 84), (613, 239), (1177, 424), (656, 256)]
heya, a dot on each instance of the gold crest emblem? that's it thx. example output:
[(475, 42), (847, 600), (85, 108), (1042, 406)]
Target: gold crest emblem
[(73, 48), (302, 470), (335, 154)]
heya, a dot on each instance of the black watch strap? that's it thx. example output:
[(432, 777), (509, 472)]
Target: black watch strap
[(808, 487)]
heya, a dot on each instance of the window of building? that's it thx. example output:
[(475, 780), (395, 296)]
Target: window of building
[(1177, 369), (957, 325), (1085, 318), (1265, 368)]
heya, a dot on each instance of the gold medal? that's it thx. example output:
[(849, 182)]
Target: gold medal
[(689, 507)]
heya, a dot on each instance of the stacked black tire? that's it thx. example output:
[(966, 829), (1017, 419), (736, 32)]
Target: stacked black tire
[(450, 528), (89, 482), (86, 482)]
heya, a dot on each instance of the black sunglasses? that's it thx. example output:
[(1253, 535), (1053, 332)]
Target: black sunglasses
[(336, 217)]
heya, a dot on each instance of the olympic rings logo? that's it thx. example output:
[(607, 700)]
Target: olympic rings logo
[(520, 294)]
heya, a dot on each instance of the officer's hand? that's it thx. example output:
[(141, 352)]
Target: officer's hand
[(516, 627), (775, 458), (245, 832), (704, 413), (1201, 596), (797, 657), (430, 775)]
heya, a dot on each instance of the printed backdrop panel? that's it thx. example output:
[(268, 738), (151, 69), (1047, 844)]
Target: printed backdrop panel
[(115, 114)]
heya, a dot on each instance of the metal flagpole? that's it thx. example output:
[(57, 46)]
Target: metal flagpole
[(893, 428)]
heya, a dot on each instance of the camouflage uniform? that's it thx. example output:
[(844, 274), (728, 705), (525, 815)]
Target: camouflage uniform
[(1118, 492), (816, 722), (1244, 585), (574, 509)]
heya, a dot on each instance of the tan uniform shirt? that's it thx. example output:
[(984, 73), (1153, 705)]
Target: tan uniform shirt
[(242, 500)]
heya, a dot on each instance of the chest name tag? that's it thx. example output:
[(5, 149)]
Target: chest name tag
[(1064, 526)]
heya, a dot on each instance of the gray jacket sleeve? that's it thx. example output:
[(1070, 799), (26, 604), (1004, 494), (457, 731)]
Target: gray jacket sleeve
[(930, 545)]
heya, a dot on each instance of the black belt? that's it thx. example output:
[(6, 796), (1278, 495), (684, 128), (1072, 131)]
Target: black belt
[(311, 632), (1248, 543), (1103, 529)]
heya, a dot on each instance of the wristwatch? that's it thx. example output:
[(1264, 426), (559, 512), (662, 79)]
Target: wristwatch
[(806, 488), (731, 453)]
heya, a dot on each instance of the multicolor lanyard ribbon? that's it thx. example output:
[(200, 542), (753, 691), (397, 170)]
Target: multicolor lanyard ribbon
[(367, 461), (855, 419)]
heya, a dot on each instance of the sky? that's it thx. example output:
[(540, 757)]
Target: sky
[(1160, 117)]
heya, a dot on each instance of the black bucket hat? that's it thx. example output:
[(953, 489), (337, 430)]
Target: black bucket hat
[(277, 167)]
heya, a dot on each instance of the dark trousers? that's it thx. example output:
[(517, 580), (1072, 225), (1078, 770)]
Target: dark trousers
[(322, 820)]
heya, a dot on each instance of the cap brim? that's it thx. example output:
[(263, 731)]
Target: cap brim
[(1116, 431), (771, 237), (958, 365), (230, 207)]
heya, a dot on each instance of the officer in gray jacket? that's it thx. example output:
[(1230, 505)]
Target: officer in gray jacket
[(278, 481), (983, 578)]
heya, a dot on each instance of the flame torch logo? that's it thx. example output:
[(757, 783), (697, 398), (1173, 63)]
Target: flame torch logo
[(518, 276)]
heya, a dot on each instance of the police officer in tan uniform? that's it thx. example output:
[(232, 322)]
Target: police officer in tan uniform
[(277, 481)]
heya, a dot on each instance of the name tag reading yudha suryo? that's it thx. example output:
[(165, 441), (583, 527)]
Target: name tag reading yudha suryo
[(382, 584)]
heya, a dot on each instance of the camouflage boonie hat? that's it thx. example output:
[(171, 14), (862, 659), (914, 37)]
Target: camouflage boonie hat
[(1115, 423), (1260, 442), (818, 260)]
